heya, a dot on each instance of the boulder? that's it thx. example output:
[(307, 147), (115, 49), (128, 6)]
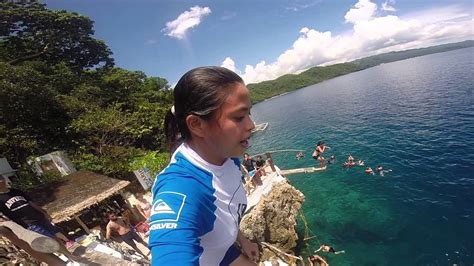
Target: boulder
[(273, 220)]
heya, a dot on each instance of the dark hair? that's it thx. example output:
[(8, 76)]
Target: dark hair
[(201, 92)]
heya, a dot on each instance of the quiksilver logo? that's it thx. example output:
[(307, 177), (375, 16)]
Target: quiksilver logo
[(162, 207), (167, 207)]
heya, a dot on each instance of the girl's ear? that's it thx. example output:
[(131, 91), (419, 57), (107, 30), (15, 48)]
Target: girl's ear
[(196, 125)]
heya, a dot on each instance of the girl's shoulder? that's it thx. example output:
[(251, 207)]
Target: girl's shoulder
[(183, 177)]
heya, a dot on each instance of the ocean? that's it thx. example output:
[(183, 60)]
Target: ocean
[(414, 117)]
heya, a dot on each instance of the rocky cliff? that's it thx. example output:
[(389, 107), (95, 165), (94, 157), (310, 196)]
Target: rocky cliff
[(273, 220)]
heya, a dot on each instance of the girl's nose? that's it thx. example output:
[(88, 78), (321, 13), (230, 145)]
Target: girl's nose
[(250, 124)]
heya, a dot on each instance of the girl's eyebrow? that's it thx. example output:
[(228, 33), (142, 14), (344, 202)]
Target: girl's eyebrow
[(243, 109)]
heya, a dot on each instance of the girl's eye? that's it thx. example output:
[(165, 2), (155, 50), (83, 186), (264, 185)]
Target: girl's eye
[(240, 118)]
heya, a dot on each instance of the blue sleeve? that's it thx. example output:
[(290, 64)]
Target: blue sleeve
[(182, 211)]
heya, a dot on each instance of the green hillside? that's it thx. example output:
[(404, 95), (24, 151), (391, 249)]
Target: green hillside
[(287, 83)]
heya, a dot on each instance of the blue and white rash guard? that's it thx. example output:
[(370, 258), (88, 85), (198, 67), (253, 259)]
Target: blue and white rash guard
[(196, 211)]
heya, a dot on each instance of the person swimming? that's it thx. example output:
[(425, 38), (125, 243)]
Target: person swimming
[(348, 164), (328, 249), (360, 163), (350, 158), (299, 155), (381, 170), (369, 171), (332, 159)]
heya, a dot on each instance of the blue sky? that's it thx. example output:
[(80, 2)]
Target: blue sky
[(262, 40)]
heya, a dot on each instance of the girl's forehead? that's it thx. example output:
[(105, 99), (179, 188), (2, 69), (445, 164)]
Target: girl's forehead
[(238, 97)]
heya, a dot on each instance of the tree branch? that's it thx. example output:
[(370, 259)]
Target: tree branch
[(28, 57)]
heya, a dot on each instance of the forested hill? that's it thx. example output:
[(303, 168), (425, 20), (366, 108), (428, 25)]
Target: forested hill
[(60, 90), (287, 83)]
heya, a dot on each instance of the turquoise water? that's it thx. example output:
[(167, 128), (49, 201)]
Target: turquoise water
[(415, 117)]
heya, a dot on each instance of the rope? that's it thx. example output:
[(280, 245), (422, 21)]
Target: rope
[(293, 150), (308, 234), (307, 229), (282, 252)]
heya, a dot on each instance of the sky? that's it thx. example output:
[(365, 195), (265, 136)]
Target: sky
[(265, 39)]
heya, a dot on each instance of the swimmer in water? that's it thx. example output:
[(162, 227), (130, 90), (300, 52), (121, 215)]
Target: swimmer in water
[(369, 171), (299, 155)]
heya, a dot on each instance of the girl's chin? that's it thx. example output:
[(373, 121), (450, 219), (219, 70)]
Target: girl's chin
[(240, 152)]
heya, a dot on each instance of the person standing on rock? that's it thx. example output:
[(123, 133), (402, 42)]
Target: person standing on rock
[(199, 199), (121, 226), (18, 207)]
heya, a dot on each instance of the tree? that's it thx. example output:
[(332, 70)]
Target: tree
[(54, 95), (30, 31), (32, 120)]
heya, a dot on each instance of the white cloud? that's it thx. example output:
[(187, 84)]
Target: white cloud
[(362, 11), (229, 64), (370, 34), (388, 6), (185, 21), (440, 14)]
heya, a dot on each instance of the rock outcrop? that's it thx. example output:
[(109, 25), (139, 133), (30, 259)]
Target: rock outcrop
[(273, 220), (11, 255)]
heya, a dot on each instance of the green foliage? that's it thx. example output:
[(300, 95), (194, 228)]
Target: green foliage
[(153, 161), (114, 161), (30, 31), (102, 128), (32, 119), (28, 180), (288, 83), (401, 55), (55, 96)]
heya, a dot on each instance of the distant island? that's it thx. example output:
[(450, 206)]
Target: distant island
[(291, 82)]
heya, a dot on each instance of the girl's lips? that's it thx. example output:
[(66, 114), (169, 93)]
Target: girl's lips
[(245, 143)]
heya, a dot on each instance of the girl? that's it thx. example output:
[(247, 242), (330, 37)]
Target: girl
[(199, 200), (318, 153)]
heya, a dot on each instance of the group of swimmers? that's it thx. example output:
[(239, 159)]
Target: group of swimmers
[(379, 169), (351, 162), (368, 170)]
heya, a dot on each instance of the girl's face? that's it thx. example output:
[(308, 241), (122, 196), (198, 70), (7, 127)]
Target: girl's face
[(229, 131)]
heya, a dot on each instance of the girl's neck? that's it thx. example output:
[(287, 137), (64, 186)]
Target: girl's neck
[(207, 154)]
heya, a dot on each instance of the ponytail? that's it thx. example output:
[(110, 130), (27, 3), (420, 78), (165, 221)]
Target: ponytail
[(173, 136)]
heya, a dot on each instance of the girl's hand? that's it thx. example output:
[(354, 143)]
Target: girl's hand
[(250, 249)]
